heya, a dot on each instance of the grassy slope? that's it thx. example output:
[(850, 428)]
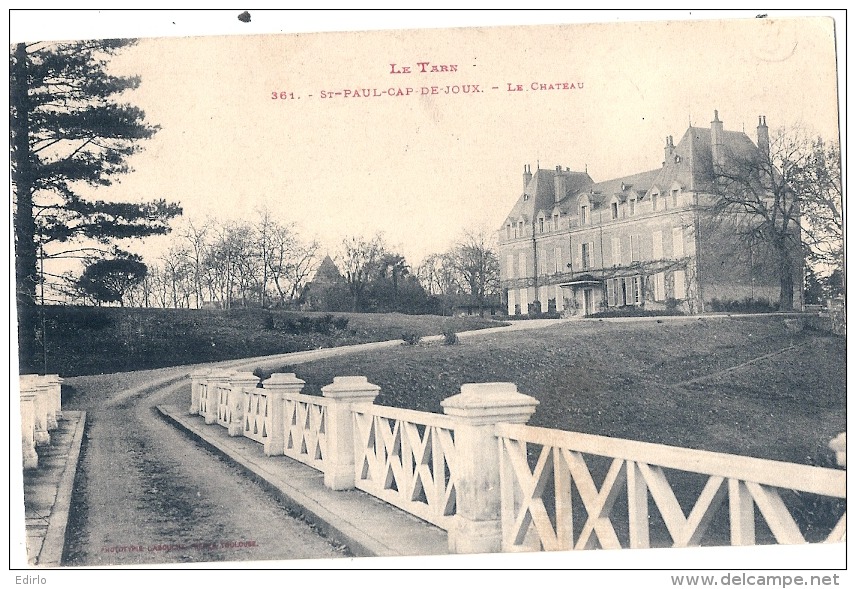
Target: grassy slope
[(618, 379), (87, 340)]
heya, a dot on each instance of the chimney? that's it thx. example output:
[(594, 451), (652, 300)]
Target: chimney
[(527, 175), (559, 184), (669, 150), (716, 146), (763, 136)]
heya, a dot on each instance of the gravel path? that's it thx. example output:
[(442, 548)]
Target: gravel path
[(146, 494)]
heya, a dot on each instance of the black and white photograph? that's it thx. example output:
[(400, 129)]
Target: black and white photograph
[(429, 290)]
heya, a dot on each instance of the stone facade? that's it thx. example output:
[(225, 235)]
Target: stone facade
[(577, 247)]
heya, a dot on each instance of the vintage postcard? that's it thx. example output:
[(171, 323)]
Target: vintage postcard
[(557, 292)]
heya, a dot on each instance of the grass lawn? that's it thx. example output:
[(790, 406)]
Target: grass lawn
[(624, 380), (90, 340)]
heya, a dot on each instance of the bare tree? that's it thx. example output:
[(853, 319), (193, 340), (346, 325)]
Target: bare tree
[(358, 261), (761, 194), (477, 267), (823, 219)]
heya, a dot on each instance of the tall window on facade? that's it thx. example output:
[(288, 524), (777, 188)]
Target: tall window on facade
[(655, 198), (556, 222), (675, 197), (678, 242), (584, 215), (558, 259), (660, 286), (616, 251), (520, 229), (521, 262), (541, 225), (542, 261), (635, 248), (614, 210), (508, 231), (657, 245), (680, 279), (585, 255), (632, 206), (625, 291), (509, 262)]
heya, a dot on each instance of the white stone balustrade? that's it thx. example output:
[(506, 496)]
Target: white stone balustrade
[(477, 410), (239, 382), (198, 384), (41, 408), (210, 404), (343, 393), (477, 471), (839, 446), (28, 429)]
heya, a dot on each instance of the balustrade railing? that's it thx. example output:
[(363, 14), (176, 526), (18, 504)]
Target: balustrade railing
[(407, 458), (41, 408), (540, 466), (496, 484)]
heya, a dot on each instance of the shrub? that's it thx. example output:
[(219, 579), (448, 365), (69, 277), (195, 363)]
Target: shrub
[(411, 338), (450, 338), (635, 312), (340, 323), (324, 324), (261, 374)]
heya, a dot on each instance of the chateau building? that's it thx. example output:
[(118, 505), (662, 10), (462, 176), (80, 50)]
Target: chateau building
[(577, 246)]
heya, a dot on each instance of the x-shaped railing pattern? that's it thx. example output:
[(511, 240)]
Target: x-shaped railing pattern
[(224, 411), (256, 415), (527, 524), (411, 470), (306, 431)]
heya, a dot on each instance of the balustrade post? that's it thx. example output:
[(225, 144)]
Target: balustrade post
[(40, 404), (239, 381), (278, 386), (28, 429), (838, 444), (344, 393), (197, 380), (55, 382), (477, 527), (214, 381)]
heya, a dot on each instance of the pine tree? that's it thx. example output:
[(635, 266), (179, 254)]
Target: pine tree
[(67, 132)]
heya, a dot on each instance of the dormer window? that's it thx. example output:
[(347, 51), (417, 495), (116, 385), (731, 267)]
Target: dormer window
[(556, 222), (675, 192), (584, 215), (623, 187), (541, 225), (632, 206), (508, 231), (655, 198), (677, 159), (614, 207), (525, 197)]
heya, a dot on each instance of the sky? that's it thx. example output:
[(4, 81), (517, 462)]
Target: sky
[(423, 168)]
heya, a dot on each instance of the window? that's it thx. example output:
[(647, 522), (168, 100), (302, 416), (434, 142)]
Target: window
[(633, 290), (677, 242), (675, 197), (519, 229), (660, 286), (584, 215), (511, 304), (560, 299), (542, 261), (558, 260), (635, 248), (585, 255), (614, 210), (657, 245), (680, 279), (521, 262), (556, 222), (610, 293), (655, 197), (508, 231), (616, 251), (632, 206), (509, 262), (541, 225)]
